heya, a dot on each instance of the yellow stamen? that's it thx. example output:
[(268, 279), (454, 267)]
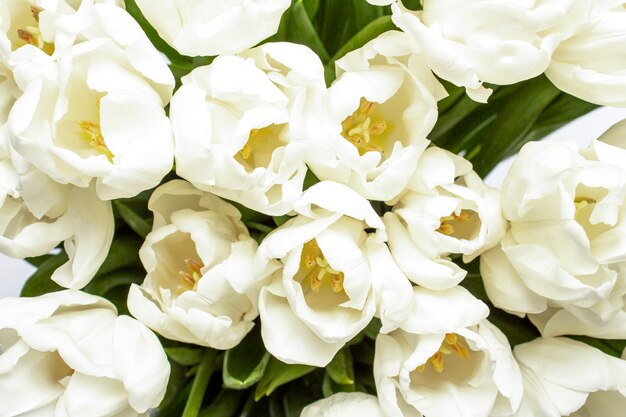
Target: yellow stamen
[(360, 130), (35, 12), (91, 132), (450, 344), (317, 268), (191, 276), (32, 34), (446, 228)]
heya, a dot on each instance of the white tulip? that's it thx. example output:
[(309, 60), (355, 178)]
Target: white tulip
[(563, 377), (240, 125), (344, 404), (101, 116), (378, 114), (591, 63), (447, 210), (322, 292), (199, 258), (48, 26), (201, 27), (67, 353), (562, 259), (492, 41), (446, 361)]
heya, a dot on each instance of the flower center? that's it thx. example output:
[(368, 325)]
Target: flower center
[(450, 225), (90, 132), (191, 276), (316, 270), (30, 34), (365, 132), (257, 151), (450, 344)]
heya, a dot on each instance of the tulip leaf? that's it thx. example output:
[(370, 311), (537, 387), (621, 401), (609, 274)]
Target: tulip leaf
[(176, 383), (335, 18), (340, 369), (364, 13), (245, 364), (225, 404), (280, 220), (176, 405), (278, 373), (560, 112), (124, 252), (39, 282), (186, 356), (373, 29), (122, 277), (300, 29), (513, 122), (171, 53), (132, 219), (517, 330), (311, 7), (330, 387), (611, 347), (38, 260), (200, 383)]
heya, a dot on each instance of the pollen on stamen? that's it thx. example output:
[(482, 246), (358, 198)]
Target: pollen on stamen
[(190, 277), (361, 129), (448, 229), (451, 344)]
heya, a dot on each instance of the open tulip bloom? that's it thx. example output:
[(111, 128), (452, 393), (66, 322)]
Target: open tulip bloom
[(288, 198)]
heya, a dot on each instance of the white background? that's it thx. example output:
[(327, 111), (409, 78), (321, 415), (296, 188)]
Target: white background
[(14, 272)]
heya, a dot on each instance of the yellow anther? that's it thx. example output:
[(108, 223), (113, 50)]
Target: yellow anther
[(191, 276), (34, 10), (91, 132), (317, 269), (361, 130), (446, 228), (437, 362), (451, 344), (246, 151)]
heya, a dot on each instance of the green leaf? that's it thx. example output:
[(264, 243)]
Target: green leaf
[(514, 121), (376, 27), (278, 373), (176, 405), (132, 219), (280, 220), (38, 260), (330, 387), (517, 330), (225, 404), (122, 277), (245, 364), (124, 252), (340, 369), (310, 180), (300, 30), (311, 7), (175, 385), (173, 55), (200, 383), (373, 328), (364, 13), (560, 112), (611, 347), (263, 228), (39, 282), (335, 18), (186, 356)]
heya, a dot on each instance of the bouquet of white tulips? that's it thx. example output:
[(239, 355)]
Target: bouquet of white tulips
[(276, 208)]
